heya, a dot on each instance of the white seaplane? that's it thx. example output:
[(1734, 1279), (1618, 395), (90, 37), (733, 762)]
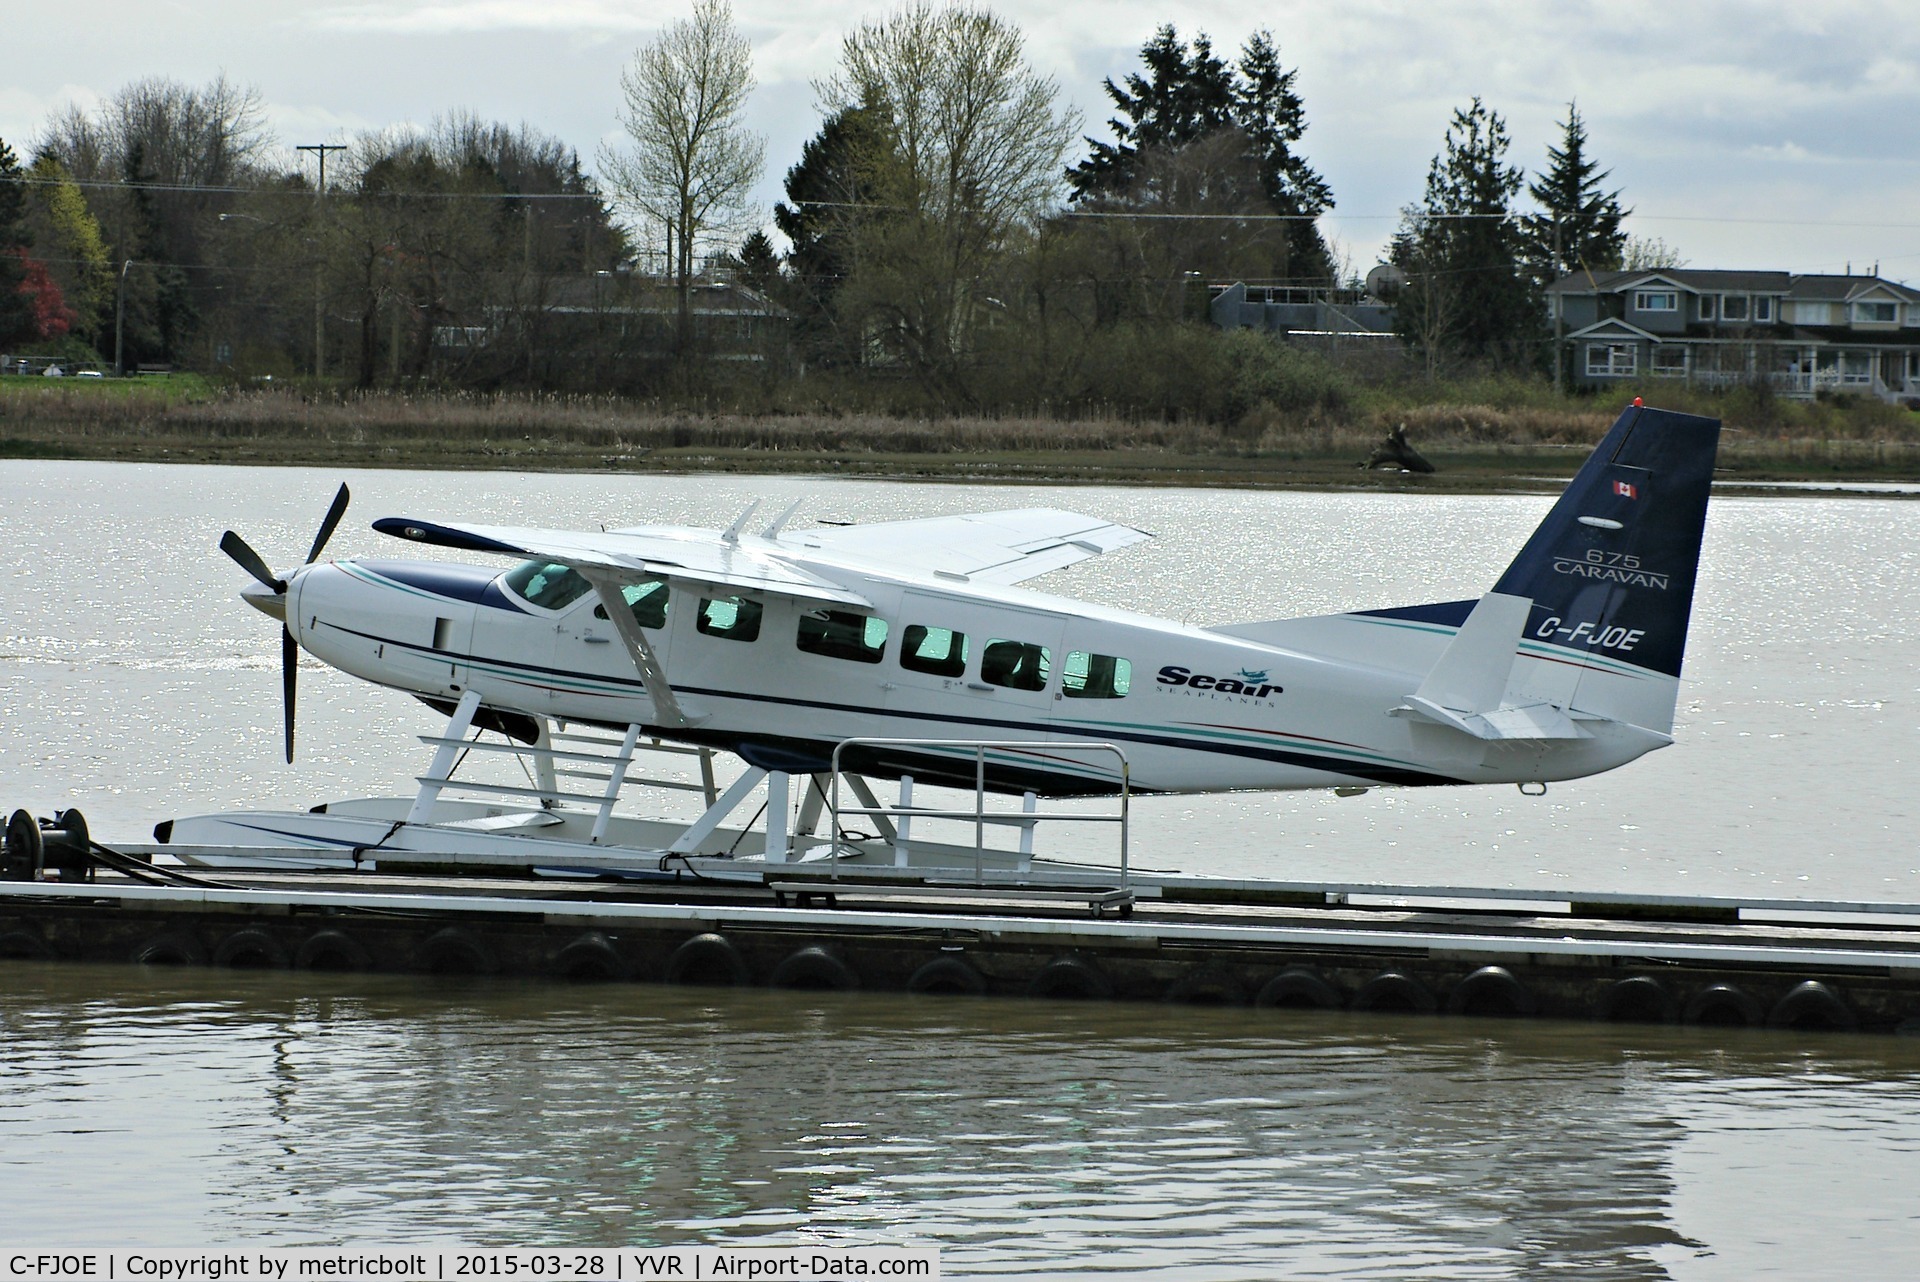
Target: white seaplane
[(905, 649)]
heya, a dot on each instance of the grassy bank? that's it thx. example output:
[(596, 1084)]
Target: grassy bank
[(1492, 435)]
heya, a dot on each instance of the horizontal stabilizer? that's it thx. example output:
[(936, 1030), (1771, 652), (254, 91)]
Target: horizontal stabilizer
[(1471, 673), (1534, 721)]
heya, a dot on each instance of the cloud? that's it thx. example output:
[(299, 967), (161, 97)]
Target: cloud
[(398, 17)]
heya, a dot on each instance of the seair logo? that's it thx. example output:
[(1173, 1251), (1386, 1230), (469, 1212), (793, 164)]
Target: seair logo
[(1253, 685)]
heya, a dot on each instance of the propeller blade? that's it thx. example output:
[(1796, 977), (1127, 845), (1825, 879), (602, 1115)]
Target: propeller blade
[(289, 665), (249, 560), (334, 513)]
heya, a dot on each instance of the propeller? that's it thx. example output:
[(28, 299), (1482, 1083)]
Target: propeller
[(247, 559)]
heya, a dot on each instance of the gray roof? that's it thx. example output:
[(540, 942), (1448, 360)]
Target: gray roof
[(1812, 287), (1841, 288)]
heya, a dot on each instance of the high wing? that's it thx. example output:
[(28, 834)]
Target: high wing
[(625, 555), (983, 547)]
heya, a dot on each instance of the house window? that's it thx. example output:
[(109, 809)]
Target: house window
[(1656, 300), (1708, 303), (1763, 309), (1095, 676), (1856, 367), (1733, 307), (1875, 313), (1611, 360), (1670, 361), (842, 634)]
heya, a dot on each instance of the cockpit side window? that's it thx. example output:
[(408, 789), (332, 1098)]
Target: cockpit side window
[(648, 601), (547, 585), (734, 617)]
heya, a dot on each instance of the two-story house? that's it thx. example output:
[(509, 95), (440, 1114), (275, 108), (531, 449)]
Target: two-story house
[(1798, 334)]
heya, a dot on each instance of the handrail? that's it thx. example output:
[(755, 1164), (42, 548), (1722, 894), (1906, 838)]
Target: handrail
[(979, 814)]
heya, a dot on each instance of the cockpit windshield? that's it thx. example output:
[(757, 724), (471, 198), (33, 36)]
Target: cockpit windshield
[(546, 584)]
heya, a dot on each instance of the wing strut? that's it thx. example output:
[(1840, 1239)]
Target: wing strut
[(666, 708)]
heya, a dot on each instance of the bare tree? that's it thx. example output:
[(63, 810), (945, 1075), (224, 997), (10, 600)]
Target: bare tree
[(977, 159), (692, 161)]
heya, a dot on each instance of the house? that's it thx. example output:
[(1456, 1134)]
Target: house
[(1299, 311), (1797, 334)]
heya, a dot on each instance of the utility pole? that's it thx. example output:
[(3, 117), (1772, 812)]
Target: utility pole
[(320, 149), (1559, 322), (120, 320)]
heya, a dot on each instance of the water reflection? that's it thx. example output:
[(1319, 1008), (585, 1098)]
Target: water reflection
[(1020, 1137)]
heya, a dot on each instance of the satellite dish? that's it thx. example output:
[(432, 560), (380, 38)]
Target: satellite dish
[(1386, 280)]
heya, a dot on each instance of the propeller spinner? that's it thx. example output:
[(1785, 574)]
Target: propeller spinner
[(273, 601)]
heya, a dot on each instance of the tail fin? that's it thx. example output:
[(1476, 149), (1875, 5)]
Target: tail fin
[(1611, 569)]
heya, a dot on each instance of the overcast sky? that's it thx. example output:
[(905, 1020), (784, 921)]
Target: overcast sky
[(1746, 135)]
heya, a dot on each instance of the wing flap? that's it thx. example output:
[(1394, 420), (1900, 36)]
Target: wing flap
[(988, 547)]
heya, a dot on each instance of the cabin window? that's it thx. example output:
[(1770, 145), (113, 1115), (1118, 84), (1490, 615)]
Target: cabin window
[(842, 634), (733, 617), (1095, 676), (546, 584), (1016, 665), (1656, 300), (648, 601), (933, 650)]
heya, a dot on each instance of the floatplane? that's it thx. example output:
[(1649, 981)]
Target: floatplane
[(906, 649)]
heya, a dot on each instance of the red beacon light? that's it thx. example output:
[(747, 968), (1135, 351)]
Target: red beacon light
[(1638, 403)]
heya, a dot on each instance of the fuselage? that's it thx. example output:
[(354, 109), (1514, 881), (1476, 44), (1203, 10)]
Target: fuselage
[(1307, 705)]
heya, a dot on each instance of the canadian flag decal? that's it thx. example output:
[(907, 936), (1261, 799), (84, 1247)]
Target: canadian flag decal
[(1625, 490)]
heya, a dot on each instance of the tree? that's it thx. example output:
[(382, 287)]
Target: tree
[(965, 163), (1244, 121), (1461, 250), (75, 249), (692, 162), (835, 190), (1649, 253), (1578, 227), (16, 306)]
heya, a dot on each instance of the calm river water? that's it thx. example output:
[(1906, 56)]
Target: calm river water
[(1023, 1139)]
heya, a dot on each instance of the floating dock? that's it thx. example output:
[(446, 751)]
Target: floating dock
[(1695, 960)]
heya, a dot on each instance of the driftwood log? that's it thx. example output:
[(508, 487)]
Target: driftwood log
[(1393, 451)]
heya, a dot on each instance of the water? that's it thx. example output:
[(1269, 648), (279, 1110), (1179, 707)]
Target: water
[(1021, 1138)]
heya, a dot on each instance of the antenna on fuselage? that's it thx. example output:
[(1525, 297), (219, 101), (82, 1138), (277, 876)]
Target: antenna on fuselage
[(732, 532), (773, 530)]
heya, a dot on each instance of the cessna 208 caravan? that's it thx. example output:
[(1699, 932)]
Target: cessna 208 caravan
[(780, 645)]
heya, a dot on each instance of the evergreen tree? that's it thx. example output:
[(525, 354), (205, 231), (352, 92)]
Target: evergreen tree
[(836, 189), (17, 322), (1190, 96), (1468, 295), (1579, 224)]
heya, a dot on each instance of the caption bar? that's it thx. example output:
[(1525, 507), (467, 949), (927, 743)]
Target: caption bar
[(455, 1264)]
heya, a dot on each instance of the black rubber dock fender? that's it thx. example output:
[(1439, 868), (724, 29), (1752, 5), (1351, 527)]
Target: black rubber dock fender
[(948, 976), (1392, 991), (709, 959), (590, 958), (1812, 1005), (1637, 999), (1491, 992), (23, 945), (250, 948), (170, 948), (814, 967), (331, 950), (1298, 988), (1722, 1006), (453, 952), (1072, 978), (1207, 984)]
